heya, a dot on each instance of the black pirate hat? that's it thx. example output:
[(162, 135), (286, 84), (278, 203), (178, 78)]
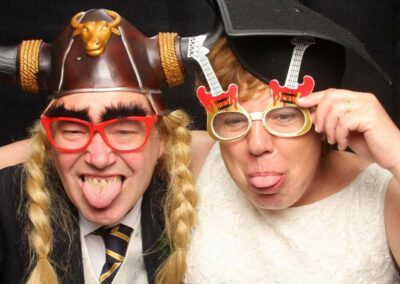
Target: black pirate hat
[(260, 34)]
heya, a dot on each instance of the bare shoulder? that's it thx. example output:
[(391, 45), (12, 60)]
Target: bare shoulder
[(201, 146), (14, 153), (392, 218)]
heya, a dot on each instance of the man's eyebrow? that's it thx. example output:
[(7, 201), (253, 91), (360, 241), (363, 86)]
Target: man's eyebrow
[(60, 110), (122, 110)]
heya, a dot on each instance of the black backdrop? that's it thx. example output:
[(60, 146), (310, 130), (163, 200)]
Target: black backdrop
[(375, 22)]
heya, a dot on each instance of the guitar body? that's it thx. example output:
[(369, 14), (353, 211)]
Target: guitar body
[(289, 95), (226, 100)]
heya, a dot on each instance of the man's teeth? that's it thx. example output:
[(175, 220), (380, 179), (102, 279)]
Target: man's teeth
[(98, 181)]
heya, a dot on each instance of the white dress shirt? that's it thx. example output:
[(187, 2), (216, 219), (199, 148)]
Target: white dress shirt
[(132, 269)]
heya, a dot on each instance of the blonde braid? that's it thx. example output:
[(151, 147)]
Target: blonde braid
[(40, 234), (181, 198)]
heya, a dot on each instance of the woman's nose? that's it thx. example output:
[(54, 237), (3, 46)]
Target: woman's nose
[(259, 140)]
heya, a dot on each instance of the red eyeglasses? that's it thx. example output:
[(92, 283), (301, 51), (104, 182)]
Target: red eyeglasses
[(71, 135)]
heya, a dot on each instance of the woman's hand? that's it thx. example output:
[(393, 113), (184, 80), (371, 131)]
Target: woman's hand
[(356, 120), (15, 153)]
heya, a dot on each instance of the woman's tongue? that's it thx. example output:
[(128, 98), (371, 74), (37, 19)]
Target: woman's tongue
[(265, 181), (100, 192)]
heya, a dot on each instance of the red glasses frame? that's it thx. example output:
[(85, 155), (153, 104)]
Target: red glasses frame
[(148, 120)]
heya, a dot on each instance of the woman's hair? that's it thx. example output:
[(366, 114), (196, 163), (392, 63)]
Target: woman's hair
[(229, 70), (181, 197)]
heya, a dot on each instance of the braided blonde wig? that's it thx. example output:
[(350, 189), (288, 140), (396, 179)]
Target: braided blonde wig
[(47, 209), (181, 197), (39, 230)]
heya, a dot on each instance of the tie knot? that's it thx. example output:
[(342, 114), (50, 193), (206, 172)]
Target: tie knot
[(116, 241)]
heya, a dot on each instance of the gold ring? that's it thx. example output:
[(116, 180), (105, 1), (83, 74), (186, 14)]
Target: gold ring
[(347, 105)]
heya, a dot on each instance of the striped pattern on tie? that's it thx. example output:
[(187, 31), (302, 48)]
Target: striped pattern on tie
[(116, 240)]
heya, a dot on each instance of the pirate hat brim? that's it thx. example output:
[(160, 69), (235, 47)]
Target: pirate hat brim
[(255, 20)]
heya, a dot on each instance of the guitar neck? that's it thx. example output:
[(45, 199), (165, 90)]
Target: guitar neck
[(295, 64), (215, 87)]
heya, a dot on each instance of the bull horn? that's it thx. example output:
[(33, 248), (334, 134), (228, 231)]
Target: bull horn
[(116, 17), (75, 24), (8, 64)]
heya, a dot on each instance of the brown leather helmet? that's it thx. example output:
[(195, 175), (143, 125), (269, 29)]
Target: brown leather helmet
[(99, 51)]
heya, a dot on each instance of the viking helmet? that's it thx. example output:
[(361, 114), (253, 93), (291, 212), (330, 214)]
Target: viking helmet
[(98, 51)]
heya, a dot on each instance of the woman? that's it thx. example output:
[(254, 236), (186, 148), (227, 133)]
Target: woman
[(275, 206)]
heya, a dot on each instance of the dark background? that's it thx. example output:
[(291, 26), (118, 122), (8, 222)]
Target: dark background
[(375, 22)]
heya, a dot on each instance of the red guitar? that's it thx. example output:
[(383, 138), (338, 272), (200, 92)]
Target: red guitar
[(216, 99), (292, 89)]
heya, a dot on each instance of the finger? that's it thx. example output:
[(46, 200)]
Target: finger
[(310, 100), (342, 133), (331, 123), (313, 118), (326, 110)]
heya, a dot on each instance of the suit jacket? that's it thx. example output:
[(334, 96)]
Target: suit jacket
[(14, 253)]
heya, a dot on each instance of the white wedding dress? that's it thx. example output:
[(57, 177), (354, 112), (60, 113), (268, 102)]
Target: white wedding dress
[(340, 239)]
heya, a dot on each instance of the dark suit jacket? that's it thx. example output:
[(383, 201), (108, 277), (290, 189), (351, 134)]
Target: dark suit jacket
[(14, 257)]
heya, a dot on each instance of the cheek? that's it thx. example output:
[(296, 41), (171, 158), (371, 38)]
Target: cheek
[(235, 159), (63, 161), (231, 153), (302, 158), (155, 145), (146, 159)]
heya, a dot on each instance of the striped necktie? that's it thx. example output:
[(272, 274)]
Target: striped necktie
[(116, 240)]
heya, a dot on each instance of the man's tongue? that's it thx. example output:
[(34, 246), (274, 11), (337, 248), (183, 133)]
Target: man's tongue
[(100, 192), (265, 181)]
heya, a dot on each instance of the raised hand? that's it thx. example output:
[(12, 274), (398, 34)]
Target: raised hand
[(356, 120)]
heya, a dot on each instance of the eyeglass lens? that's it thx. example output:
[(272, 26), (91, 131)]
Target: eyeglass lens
[(284, 120), (121, 134)]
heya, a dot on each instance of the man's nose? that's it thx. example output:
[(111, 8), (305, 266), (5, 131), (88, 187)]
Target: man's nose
[(98, 153), (259, 140)]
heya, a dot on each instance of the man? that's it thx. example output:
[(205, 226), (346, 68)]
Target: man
[(87, 205)]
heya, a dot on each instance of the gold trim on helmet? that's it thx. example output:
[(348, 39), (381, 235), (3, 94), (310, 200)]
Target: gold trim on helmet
[(29, 65), (169, 61)]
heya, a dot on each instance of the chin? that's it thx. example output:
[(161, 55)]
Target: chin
[(104, 216), (269, 202)]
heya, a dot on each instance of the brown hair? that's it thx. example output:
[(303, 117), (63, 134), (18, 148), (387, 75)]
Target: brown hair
[(228, 70)]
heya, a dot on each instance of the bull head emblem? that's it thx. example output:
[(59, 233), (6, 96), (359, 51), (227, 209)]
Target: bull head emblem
[(96, 34)]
